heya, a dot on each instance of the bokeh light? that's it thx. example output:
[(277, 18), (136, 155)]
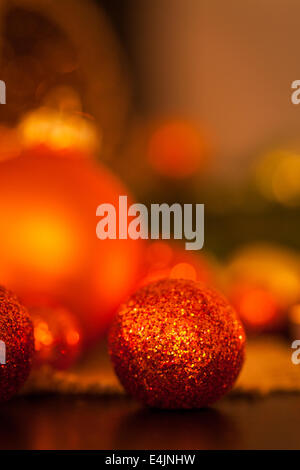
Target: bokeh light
[(170, 260), (177, 148), (57, 335), (263, 282), (278, 176), (60, 131)]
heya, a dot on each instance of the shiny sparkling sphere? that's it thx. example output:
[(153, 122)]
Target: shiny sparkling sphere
[(177, 344), (17, 345)]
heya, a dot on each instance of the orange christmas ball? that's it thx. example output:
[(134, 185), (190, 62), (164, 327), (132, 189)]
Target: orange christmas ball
[(177, 344), (48, 240), (16, 344)]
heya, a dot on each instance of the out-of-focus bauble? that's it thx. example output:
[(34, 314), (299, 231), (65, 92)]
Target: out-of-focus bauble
[(16, 344), (177, 344), (263, 282), (170, 260), (57, 335), (48, 240), (44, 46), (177, 148)]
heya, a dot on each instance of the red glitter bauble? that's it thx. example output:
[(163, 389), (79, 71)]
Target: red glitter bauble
[(17, 345), (177, 344)]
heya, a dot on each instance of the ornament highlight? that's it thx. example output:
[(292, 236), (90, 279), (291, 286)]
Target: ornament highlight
[(16, 337), (177, 344)]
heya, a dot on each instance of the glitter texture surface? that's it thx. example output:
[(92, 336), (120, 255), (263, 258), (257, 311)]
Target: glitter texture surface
[(177, 344), (16, 331)]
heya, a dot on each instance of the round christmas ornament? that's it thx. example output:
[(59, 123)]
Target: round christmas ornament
[(16, 344), (48, 244), (41, 51), (177, 344)]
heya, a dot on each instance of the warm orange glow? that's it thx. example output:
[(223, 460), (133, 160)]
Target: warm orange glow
[(263, 283), (73, 337), (10, 143), (177, 149), (183, 271), (42, 335), (294, 315), (171, 260), (278, 176), (48, 243), (56, 332), (270, 267), (114, 262), (159, 254), (257, 307), (59, 131)]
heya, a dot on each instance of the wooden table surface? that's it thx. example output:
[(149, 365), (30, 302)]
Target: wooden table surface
[(55, 422)]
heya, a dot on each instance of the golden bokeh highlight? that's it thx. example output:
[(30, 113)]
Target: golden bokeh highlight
[(183, 271), (59, 130), (263, 282), (278, 177), (47, 239), (256, 306)]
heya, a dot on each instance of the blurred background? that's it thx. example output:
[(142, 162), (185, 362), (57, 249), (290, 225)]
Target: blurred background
[(168, 101)]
